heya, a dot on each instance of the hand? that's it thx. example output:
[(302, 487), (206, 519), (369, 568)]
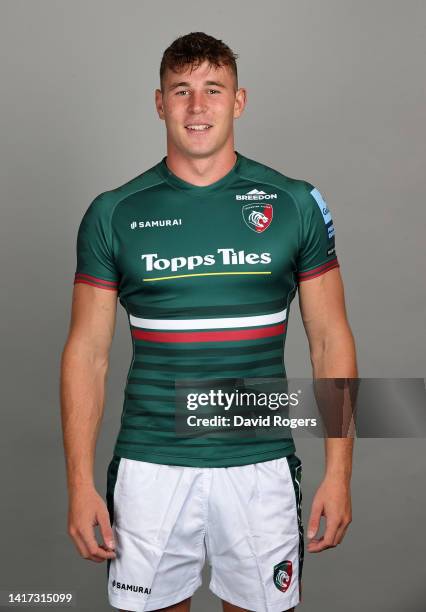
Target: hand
[(332, 500), (87, 509)]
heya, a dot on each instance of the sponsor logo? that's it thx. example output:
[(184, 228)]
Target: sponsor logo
[(331, 251), (282, 575), (255, 194), (331, 231), (155, 223), (258, 217), (326, 215), (131, 587), (226, 257)]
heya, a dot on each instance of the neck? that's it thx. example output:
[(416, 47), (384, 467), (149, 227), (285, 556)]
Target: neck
[(201, 171)]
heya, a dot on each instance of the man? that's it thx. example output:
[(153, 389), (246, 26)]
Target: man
[(205, 251)]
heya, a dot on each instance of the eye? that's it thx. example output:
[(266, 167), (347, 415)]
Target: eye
[(214, 90), (182, 91)]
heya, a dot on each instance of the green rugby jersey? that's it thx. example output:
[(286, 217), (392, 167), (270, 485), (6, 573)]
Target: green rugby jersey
[(206, 275)]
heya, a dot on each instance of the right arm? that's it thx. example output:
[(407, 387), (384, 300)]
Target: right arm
[(84, 368)]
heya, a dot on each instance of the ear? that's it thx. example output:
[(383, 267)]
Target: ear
[(159, 103), (240, 102)]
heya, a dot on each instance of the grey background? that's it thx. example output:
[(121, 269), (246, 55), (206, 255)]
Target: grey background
[(336, 96)]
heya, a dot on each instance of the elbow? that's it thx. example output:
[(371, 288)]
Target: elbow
[(334, 354), (317, 355), (82, 354)]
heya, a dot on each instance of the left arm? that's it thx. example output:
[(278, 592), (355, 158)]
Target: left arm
[(332, 351)]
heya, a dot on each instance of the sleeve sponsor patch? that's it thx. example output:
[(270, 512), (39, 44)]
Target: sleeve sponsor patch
[(326, 215)]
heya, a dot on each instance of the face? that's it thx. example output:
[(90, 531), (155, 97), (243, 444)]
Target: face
[(199, 109)]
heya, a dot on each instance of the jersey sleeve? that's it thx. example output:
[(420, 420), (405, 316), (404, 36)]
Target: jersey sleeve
[(317, 250), (95, 258)]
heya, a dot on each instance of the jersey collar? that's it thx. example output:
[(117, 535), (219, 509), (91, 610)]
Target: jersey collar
[(179, 183)]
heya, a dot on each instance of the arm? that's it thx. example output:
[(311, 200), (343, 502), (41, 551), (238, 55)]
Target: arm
[(332, 351), (84, 369)]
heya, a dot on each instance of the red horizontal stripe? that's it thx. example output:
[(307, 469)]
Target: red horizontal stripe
[(209, 336), (322, 269), (319, 270), (95, 279), (87, 282), (324, 265)]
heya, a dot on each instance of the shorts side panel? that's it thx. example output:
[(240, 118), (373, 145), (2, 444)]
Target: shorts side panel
[(112, 474), (295, 467)]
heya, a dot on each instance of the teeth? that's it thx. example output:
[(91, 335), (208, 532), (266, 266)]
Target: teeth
[(198, 127)]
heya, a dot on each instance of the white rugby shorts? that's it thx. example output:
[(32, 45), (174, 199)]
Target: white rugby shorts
[(167, 519)]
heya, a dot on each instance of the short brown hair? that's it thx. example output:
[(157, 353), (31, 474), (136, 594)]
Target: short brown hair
[(195, 48)]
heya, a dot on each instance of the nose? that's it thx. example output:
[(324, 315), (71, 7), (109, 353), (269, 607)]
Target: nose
[(197, 102)]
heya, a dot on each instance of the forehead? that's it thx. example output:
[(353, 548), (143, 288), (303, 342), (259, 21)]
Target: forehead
[(194, 74)]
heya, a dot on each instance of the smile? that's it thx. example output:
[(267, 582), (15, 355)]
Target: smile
[(198, 127)]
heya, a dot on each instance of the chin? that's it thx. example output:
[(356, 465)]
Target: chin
[(205, 150), (201, 153)]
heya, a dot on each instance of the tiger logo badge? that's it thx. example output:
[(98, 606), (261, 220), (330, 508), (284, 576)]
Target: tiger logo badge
[(258, 217), (282, 575)]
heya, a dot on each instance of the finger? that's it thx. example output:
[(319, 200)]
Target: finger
[(84, 552), (340, 534), (107, 549), (327, 540), (332, 525), (314, 520), (106, 530), (93, 547), (316, 546)]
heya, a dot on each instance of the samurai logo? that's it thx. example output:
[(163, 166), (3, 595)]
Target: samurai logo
[(258, 217), (282, 575)]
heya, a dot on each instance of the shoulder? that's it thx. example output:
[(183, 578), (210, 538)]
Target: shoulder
[(106, 202), (298, 189)]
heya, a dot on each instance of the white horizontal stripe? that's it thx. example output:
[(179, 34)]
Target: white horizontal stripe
[(226, 322)]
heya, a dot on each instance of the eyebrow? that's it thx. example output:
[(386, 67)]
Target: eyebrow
[(186, 84)]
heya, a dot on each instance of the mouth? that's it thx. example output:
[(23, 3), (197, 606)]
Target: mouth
[(198, 128)]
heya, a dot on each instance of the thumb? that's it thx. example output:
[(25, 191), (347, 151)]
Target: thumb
[(105, 529), (314, 520)]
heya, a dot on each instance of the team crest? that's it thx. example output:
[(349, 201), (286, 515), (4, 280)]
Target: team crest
[(258, 217), (282, 575)]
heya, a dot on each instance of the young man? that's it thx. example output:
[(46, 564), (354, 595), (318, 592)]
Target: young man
[(205, 251)]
